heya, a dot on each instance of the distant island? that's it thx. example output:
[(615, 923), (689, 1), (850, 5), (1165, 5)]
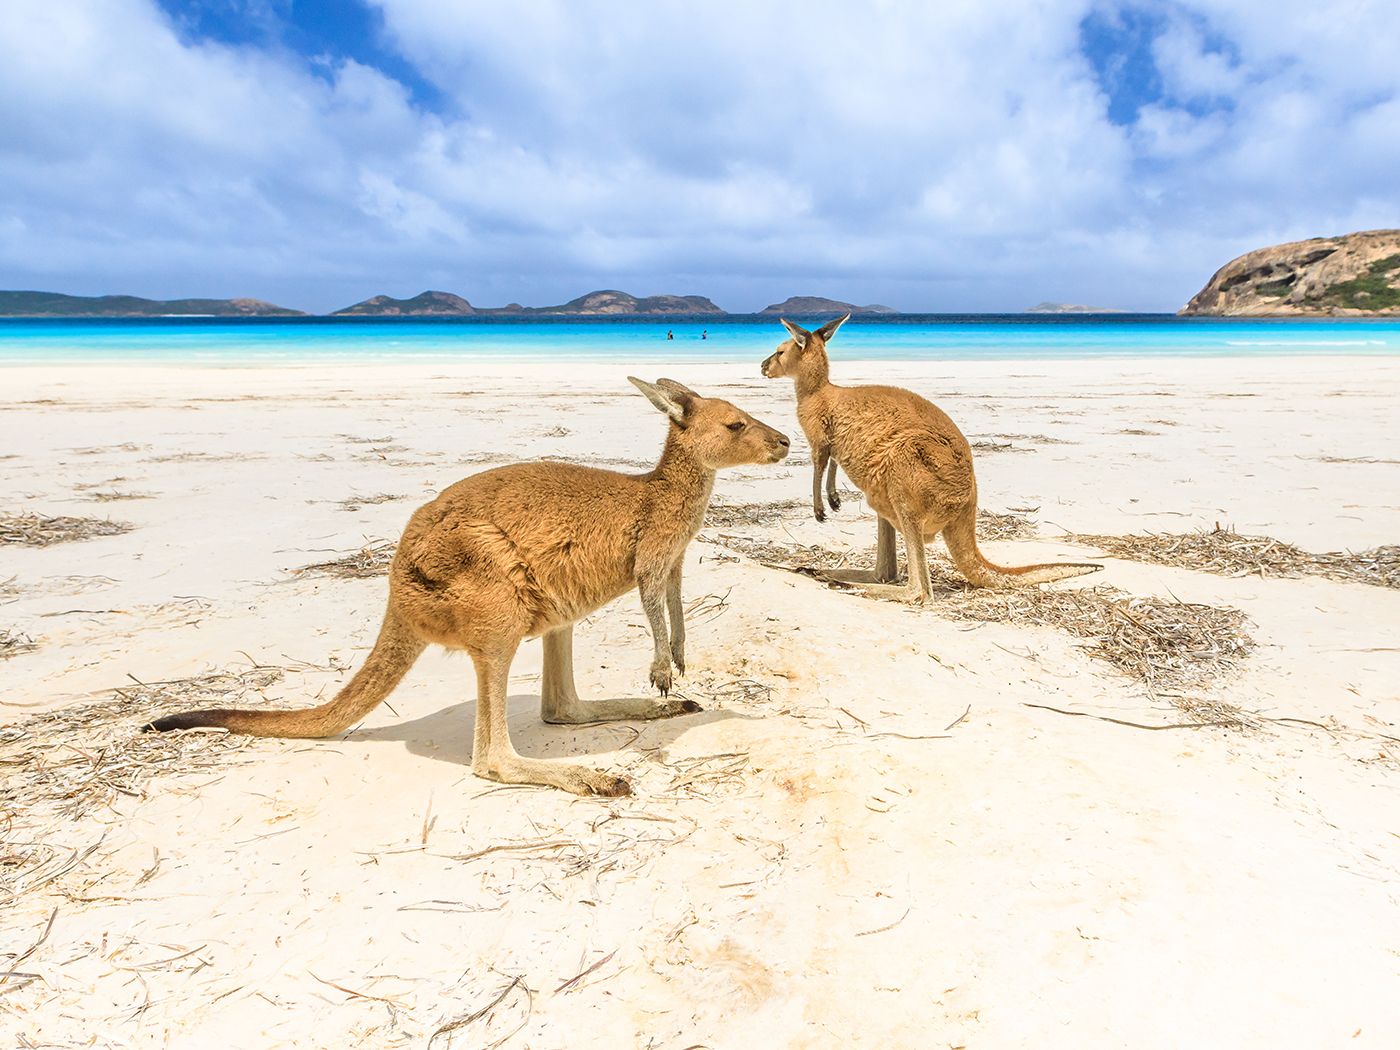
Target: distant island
[(603, 303), (55, 304), (1069, 308), (424, 304), (1353, 275), (606, 303), (620, 303), (808, 305)]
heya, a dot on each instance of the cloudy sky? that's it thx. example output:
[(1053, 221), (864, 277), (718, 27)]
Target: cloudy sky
[(963, 155)]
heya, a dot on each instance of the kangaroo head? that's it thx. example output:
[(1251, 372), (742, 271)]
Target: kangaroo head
[(803, 348), (717, 433)]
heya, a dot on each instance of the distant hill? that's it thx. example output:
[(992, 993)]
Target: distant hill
[(424, 304), (1355, 274), (611, 302), (1069, 308), (595, 304), (798, 305), (55, 304)]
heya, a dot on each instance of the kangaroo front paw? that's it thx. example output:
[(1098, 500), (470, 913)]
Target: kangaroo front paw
[(678, 658), (834, 500), (661, 677), (818, 513)]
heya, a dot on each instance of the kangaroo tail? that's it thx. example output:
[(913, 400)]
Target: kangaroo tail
[(394, 653), (961, 537)]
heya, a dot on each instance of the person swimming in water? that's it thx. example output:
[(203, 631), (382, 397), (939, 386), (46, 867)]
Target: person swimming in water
[(705, 334), (670, 334)]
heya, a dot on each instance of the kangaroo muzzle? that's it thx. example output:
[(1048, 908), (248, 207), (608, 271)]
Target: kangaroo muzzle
[(779, 446)]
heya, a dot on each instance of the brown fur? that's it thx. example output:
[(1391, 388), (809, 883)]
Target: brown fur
[(908, 458), (526, 550)]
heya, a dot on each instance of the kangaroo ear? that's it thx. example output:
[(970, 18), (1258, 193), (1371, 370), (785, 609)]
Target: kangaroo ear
[(670, 404), (827, 330), (798, 333), (676, 390)]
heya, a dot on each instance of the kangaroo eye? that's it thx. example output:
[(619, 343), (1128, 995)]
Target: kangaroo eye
[(736, 426)]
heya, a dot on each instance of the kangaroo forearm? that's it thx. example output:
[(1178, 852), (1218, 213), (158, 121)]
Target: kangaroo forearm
[(676, 611), (820, 458), (654, 605)]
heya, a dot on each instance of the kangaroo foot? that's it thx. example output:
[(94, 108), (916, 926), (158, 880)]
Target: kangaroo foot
[(893, 592), (580, 780), (623, 709), (856, 576)]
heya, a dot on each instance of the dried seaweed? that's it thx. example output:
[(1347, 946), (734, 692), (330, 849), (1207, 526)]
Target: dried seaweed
[(373, 559), (61, 766), (204, 457), (116, 497), (39, 530), (987, 445), (1163, 644), (720, 515), (1228, 553), (736, 515), (994, 526), (12, 643), (354, 503)]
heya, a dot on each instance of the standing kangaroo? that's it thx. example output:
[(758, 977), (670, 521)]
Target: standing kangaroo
[(526, 550), (907, 456)]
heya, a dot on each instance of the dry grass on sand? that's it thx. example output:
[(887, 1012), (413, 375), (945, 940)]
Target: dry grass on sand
[(78, 758), (721, 515), (1174, 648), (61, 766), (38, 530), (12, 643), (354, 503), (1227, 553), (373, 559)]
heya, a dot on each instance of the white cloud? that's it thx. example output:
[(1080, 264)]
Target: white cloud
[(953, 156)]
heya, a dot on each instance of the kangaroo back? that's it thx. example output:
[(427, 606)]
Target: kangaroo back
[(395, 651), (961, 537)]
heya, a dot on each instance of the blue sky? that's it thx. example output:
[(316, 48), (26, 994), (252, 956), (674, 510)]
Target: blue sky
[(958, 156)]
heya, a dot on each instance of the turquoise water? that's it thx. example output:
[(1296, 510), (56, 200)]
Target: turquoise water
[(905, 337)]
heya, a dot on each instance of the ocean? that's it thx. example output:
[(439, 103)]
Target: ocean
[(311, 340)]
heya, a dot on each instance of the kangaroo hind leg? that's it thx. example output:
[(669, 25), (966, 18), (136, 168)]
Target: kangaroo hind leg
[(495, 758)]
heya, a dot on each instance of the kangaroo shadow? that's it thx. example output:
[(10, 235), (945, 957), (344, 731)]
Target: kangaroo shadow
[(446, 734)]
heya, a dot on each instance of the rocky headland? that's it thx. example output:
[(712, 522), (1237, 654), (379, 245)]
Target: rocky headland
[(1352, 275)]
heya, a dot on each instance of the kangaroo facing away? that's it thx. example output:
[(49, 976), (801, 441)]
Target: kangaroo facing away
[(907, 456), (525, 550)]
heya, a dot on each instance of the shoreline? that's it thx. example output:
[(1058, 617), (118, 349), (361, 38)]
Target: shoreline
[(409, 362)]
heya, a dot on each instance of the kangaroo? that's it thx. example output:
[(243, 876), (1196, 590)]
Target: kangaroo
[(908, 458), (526, 550)]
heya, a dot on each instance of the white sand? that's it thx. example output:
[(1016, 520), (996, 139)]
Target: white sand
[(1023, 879)]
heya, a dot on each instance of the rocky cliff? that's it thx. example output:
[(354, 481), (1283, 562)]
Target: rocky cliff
[(800, 305), (1355, 274), (424, 304)]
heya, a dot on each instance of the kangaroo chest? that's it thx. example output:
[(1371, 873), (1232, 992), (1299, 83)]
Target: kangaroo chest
[(825, 428)]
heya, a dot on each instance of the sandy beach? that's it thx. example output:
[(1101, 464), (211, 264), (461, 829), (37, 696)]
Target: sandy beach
[(890, 826)]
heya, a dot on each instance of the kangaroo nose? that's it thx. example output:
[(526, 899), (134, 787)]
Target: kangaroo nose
[(782, 440)]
